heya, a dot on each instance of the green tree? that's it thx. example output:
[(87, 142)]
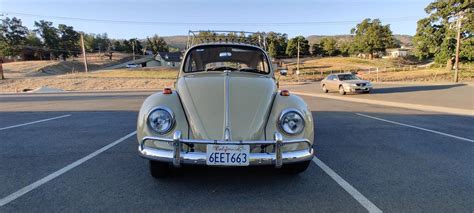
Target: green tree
[(436, 35), (68, 41), (329, 46), (12, 36), (345, 48), (117, 46), (49, 35), (292, 47), (89, 42), (317, 49), (102, 42), (97, 42), (277, 43), (126, 46), (157, 44), (135, 43), (35, 43), (371, 37)]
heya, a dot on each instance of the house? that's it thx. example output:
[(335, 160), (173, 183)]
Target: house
[(168, 59), (397, 52)]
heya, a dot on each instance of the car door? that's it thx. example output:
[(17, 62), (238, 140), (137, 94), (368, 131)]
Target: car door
[(332, 82)]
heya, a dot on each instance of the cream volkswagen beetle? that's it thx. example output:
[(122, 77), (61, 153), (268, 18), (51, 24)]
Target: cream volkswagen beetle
[(226, 111)]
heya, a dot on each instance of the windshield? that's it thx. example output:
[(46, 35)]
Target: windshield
[(347, 77), (220, 58)]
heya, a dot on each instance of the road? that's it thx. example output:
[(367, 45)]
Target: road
[(457, 96), (390, 159)]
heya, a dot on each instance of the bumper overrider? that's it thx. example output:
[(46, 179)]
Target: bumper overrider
[(178, 157)]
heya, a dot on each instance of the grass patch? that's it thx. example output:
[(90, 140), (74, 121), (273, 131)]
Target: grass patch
[(135, 73)]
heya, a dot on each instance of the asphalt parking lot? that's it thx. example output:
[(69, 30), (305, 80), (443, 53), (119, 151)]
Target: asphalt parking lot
[(78, 152)]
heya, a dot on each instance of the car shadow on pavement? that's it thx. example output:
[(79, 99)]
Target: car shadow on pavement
[(414, 88)]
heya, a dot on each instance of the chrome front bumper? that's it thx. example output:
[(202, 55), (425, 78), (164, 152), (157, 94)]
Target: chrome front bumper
[(178, 157)]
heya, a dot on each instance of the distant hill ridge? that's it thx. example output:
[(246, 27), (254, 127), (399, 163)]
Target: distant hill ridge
[(179, 41)]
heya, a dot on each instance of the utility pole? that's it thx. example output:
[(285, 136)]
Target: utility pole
[(2, 77), (84, 53), (459, 19), (458, 43), (298, 63), (133, 49)]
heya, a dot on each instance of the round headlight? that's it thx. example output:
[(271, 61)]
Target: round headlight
[(161, 120), (291, 122)]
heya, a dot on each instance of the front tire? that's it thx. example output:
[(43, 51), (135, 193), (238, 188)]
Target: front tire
[(325, 90), (341, 90), (159, 169), (295, 168)]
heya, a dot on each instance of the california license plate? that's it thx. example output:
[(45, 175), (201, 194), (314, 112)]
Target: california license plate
[(227, 155)]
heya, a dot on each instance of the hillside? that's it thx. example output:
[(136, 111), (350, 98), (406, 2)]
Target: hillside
[(178, 41)]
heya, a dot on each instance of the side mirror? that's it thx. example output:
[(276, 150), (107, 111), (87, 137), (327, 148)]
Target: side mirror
[(283, 72)]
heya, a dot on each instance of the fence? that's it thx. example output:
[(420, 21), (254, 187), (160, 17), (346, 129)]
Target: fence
[(315, 74)]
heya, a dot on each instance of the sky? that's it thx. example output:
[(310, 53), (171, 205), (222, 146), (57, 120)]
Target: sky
[(130, 19)]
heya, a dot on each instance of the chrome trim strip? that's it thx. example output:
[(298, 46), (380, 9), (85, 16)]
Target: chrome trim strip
[(227, 133)]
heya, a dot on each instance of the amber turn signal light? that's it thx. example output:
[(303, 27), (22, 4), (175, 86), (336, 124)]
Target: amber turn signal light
[(285, 93), (167, 91)]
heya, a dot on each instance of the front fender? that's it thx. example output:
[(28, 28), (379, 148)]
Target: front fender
[(170, 101), (284, 102)]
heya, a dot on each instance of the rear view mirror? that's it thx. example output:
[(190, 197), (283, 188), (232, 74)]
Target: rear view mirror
[(283, 72)]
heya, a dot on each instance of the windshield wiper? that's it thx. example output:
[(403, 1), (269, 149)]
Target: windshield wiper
[(220, 68)]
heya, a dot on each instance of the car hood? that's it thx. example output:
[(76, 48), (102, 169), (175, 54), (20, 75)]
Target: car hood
[(204, 99)]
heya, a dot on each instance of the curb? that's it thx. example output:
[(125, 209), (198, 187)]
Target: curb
[(82, 91), (448, 110)]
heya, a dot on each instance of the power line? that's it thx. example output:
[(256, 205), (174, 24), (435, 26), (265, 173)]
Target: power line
[(392, 19)]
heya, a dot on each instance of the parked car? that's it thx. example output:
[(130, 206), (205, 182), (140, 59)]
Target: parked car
[(345, 83), (226, 111)]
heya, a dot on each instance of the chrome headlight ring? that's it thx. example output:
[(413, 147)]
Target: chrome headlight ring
[(291, 121), (161, 120)]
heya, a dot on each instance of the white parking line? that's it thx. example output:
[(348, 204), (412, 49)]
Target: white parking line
[(449, 110), (419, 128), (38, 183), (34, 122), (346, 186)]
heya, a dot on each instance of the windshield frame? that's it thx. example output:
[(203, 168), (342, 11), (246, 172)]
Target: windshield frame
[(190, 50)]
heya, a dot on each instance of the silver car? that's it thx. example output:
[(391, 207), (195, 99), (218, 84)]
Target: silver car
[(345, 83)]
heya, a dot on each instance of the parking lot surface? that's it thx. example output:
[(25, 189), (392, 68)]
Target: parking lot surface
[(78, 152)]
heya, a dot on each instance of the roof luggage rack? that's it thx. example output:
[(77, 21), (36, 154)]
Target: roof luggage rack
[(231, 37)]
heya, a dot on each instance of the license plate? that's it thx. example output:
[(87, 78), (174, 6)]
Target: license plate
[(227, 155)]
